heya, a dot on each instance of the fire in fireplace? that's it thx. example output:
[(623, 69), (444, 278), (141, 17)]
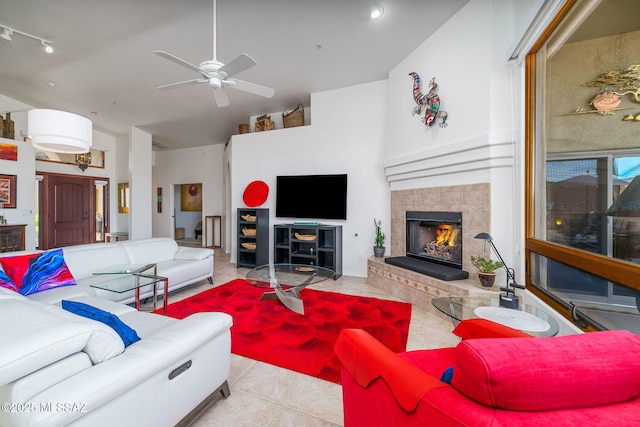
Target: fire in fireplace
[(435, 237)]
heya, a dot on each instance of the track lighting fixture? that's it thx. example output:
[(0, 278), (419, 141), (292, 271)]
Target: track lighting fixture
[(7, 34)]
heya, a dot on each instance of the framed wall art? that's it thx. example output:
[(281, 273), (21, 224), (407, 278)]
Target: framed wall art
[(8, 191), (191, 197), (8, 152)]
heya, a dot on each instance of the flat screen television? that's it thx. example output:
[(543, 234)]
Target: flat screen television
[(312, 196)]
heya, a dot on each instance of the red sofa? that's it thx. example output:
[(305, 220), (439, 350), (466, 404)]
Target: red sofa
[(507, 379)]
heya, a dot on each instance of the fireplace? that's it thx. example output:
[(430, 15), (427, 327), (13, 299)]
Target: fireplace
[(434, 245), (435, 237)]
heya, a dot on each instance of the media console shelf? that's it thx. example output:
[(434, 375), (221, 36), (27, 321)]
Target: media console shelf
[(319, 245)]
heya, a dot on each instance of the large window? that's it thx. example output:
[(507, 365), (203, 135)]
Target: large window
[(583, 157)]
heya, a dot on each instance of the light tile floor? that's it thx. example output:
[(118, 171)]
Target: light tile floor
[(267, 395)]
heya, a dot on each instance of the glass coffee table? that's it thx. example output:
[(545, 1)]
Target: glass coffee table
[(286, 282), (528, 318), (129, 277)]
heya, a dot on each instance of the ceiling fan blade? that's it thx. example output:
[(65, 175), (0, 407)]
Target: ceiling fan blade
[(182, 84), (267, 92), (172, 58), (222, 100), (238, 64)]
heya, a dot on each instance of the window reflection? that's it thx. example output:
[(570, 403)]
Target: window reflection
[(583, 115)]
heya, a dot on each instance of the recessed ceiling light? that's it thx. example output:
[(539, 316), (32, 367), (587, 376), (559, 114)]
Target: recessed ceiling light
[(51, 83), (376, 12)]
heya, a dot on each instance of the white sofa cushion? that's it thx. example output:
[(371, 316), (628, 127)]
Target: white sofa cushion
[(38, 338), (190, 254), (25, 388), (54, 296), (84, 260), (147, 251)]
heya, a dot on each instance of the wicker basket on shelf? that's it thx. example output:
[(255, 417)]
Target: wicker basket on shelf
[(293, 118), (249, 231), (248, 218), (264, 123), (305, 236), (248, 245)]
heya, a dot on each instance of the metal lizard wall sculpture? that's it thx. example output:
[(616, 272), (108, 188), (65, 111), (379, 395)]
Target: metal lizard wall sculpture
[(431, 102)]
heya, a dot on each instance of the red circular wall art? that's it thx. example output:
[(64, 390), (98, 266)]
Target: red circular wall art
[(255, 194)]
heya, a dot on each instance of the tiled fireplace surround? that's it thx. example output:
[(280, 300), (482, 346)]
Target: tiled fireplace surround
[(473, 201)]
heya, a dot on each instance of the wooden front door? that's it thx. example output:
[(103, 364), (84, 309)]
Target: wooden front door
[(68, 209)]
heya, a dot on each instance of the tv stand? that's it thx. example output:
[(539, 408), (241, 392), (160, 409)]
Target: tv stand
[(295, 244)]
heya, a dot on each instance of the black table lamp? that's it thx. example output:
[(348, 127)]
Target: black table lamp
[(508, 298)]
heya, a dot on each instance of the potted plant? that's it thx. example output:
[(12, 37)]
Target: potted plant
[(378, 247), (486, 268)]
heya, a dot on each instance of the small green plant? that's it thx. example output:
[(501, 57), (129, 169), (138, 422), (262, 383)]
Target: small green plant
[(485, 265), (379, 242)]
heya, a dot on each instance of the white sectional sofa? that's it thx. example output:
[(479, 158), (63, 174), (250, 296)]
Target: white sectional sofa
[(59, 368), (183, 266)]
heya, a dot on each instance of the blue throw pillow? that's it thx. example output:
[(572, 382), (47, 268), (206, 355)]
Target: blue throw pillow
[(447, 375), (128, 335)]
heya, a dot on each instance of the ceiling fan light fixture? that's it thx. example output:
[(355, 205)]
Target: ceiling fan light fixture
[(215, 82), (376, 12), (59, 131)]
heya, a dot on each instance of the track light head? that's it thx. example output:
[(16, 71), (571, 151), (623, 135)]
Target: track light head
[(6, 34), (47, 47)]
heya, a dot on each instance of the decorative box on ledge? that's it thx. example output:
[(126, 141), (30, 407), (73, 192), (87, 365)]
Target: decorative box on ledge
[(263, 123)]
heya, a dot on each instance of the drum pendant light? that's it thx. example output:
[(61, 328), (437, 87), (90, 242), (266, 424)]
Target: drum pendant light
[(59, 131)]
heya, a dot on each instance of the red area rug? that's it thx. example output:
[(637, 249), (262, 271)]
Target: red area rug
[(269, 332)]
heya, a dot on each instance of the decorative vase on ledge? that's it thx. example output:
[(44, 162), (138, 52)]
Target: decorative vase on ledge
[(487, 279), (378, 251)]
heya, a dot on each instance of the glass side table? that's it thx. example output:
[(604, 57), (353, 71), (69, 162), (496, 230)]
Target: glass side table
[(129, 277), (528, 318)]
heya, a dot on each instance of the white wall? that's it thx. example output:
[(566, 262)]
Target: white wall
[(346, 136), (467, 56), (26, 167), (140, 206), (202, 165)]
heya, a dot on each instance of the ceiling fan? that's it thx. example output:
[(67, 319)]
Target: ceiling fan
[(217, 74)]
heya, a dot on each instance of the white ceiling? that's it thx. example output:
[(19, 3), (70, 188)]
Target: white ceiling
[(104, 67)]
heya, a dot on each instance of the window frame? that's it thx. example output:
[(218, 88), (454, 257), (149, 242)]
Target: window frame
[(615, 270)]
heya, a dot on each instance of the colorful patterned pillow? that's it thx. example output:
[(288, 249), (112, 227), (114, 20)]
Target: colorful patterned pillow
[(6, 282), (38, 272)]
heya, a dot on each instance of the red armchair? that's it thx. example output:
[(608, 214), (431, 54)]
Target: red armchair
[(585, 379)]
